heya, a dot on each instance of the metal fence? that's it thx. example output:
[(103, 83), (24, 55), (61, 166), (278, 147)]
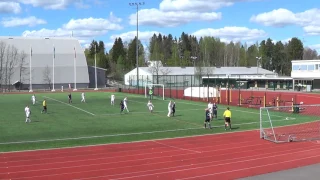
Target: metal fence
[(232, 81), (239, 90)]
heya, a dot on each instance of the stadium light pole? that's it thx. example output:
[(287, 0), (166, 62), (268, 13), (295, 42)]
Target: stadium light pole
[(137, 4), (30, 73), (75, 69), (194, 58), (258, 59), (53, 59), (95, 66)]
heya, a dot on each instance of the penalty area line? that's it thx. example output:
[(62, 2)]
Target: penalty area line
[(70, 105)]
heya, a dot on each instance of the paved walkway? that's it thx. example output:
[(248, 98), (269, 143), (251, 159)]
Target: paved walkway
[(303, 173)]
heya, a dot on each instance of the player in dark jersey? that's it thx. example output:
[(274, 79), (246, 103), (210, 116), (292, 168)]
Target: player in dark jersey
[(207, 120), (214, 110), (173, 108), (70, 98), (121, 106)]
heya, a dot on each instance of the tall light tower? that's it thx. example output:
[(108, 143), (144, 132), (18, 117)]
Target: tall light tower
[(258, 60), (137, 4)]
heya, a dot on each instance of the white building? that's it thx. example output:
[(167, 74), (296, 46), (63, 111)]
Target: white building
[(66, 52), (306, 72), (187, 76)]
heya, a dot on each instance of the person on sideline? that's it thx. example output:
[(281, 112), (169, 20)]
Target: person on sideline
[(227, 118), (151, 93)]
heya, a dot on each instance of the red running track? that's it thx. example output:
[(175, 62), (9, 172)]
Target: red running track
[(220, 156)]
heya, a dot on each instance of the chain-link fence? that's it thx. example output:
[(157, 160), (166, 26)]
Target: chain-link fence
[(239, 90)]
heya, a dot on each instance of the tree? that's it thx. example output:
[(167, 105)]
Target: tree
[(279, 57), (243, 56), (22, 64), (295, 48), (132, 54), (210, 51), (11, 57), (118, 50), (154, 69), (119, 68), (252, 54), (2, 60), (286, 69), (47, 76), (309, 54), (12, 63)]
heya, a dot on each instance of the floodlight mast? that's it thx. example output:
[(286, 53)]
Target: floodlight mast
[(137, 4), (258, 59)]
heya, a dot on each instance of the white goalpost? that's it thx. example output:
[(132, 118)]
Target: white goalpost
[(290, 123), (149, 86)]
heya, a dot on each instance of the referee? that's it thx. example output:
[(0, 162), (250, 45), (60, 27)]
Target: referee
[(227, 118), (151, 93)]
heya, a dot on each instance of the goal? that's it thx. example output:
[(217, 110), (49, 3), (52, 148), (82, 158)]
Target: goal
[(158, 89), (290, 123)]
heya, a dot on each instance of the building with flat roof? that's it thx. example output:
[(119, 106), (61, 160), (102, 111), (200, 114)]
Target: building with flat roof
[(245, 77), (65, 53), (306, 72)]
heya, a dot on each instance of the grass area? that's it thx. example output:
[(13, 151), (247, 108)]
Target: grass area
[(98, 122)]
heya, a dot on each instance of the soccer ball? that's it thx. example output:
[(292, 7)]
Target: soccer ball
[(287, 118)]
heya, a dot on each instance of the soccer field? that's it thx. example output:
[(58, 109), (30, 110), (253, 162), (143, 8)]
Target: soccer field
[(98, 122)]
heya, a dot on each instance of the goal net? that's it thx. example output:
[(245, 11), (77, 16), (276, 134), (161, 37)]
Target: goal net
[(157, 89), (290, 123)]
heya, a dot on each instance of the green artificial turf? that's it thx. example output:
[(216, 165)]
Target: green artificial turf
[(98, 122)]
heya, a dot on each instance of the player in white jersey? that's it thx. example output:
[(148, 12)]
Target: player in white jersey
[(112, 99), (210, 106), (28, 113), (125, 103), (150, 106), (169, 109), (83, 97), (33, 99)]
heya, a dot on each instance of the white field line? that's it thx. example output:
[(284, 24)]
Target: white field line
[(114, 135), (195, 104), (133, 112), (258, 113), (101, 136), (74, 147), (70, 105), (138, 133)]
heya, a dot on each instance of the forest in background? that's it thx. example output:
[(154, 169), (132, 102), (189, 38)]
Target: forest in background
[(188, 50)]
